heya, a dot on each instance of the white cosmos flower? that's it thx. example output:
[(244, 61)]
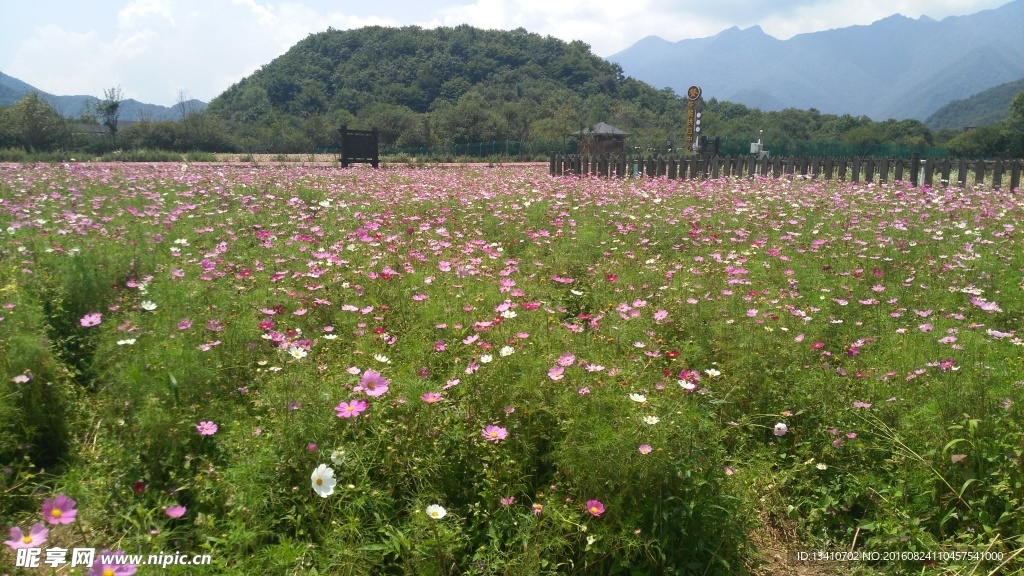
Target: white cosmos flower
[(323, 481), (652, 420), (126, 342), (436, 511), (338, 456), (382, 358), (508, 314), (148, 305), (486, 358), (297, 352), (638, 398), (507, 351), (712, 372)]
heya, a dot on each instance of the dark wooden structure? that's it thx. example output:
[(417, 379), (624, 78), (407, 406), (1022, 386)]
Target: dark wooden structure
[(917, 171), (601, 138), (359, 146)]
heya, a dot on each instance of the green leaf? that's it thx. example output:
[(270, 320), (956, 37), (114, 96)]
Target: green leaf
[(964, 487)]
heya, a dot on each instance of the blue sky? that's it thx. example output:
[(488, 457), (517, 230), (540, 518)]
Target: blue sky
[(155, 49)]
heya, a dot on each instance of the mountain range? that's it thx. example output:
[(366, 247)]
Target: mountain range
[(897, 67), (12, 90)]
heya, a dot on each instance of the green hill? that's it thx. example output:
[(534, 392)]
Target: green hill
[(982, 109), (426, 87)]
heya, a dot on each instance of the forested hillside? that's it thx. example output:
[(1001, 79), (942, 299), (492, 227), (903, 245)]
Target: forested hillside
[(424, 87), (982, 109)]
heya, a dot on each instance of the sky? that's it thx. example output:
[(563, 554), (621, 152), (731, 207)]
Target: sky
[(159, 50)]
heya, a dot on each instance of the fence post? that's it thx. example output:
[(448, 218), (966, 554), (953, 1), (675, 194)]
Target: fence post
[(979, 172), (929, 171), (1015, 176), (962, 173), (945, 167), (915, 165), (997, 175)]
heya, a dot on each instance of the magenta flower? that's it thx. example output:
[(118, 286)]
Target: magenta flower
[(350, 409), (508, 501), (35, 538), (60, 510), (185, 324), (106, 565), (494, 433), (595, 507), (206, 428), (431, 397), (373, 383), (176, 511), (92, 319)]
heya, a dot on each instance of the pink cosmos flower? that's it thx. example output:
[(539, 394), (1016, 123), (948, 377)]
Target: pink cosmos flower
[(508, 501), (206, 428), (176, 511), (494, 433), (373, 383), (567, 359), (645, 449), (60, 510), (350, 409), (35, 538), (92, 319), (105, 565), (185, 324), (859, 404), (556, 373), (595, 507), (431, 397)]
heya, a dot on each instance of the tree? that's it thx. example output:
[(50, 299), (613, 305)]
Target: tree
[(1013, 127), (36, 125), (108, 109)]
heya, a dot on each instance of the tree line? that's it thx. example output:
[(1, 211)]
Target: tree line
[(424, 88)]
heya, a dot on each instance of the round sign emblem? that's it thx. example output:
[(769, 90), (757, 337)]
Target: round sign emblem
[(693, 93)]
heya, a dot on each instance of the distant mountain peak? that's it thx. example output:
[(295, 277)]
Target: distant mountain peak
[(897, 67), (754, 30), (73, 106)]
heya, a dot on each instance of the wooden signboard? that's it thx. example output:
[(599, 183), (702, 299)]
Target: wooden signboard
[(359, 146)]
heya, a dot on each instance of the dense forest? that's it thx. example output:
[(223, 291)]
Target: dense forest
[(424, 88)]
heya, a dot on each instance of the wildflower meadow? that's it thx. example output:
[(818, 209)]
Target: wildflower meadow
[(302, 370)]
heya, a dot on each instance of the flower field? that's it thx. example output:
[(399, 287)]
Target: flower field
[(303, 370)]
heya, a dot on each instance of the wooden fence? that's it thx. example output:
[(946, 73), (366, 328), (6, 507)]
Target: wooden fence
[(915, 170)]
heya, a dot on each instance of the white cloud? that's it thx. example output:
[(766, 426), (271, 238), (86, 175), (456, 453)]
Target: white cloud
[(138, 10)]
